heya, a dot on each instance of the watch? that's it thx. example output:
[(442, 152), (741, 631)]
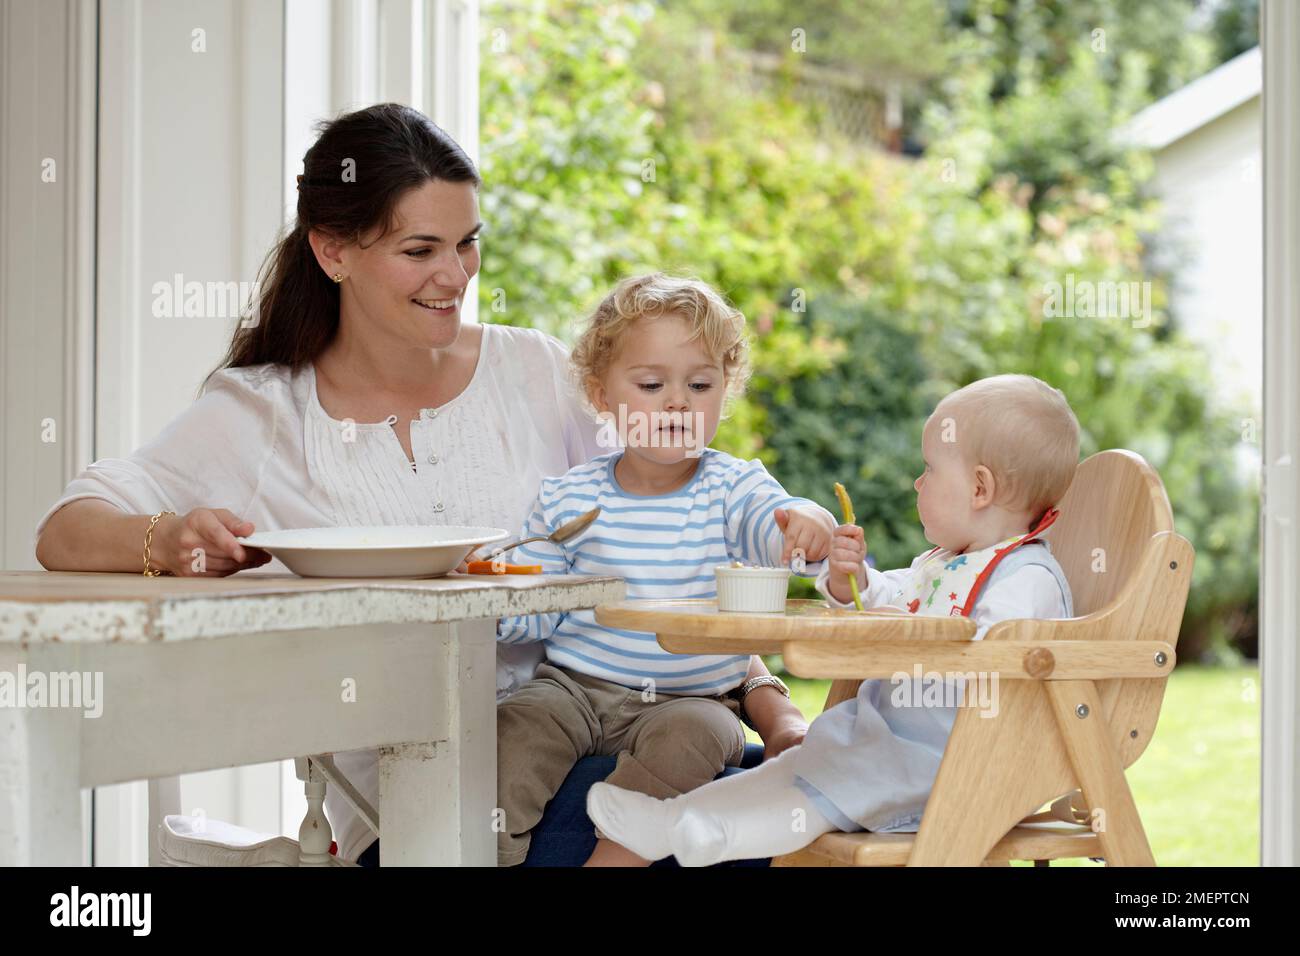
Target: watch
[(744, 690)]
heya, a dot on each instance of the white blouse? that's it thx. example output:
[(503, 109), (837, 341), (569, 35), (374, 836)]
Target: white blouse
[(258, 443)]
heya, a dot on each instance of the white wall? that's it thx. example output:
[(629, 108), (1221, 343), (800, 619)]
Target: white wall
[(47, 267), (189, 165), (47, 204), (1210, 183)]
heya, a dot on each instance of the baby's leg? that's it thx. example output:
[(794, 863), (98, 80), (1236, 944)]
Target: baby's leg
[(758, 813), (673, 745)]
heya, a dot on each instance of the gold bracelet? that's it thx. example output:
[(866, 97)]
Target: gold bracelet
[(148, 540)]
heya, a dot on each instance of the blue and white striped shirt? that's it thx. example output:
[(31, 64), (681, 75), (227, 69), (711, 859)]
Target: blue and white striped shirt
[(664, 546)]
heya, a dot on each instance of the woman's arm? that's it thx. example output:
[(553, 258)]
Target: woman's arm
[(778, 721), (90, 534), (211, 453)]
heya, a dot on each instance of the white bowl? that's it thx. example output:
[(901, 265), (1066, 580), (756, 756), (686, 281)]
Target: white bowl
[(755, 590), (394, 551)]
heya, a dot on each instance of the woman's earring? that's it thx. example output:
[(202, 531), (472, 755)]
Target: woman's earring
[(338, 277)]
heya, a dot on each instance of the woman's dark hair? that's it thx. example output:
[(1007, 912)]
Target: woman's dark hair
[(361, 164)]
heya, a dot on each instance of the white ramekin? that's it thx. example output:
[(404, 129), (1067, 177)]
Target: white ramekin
[(755, 590)]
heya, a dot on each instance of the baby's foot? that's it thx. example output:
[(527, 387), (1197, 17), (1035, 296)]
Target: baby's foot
[(698, 839), (630, 819)]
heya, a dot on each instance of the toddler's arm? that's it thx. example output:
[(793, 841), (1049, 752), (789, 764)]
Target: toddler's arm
[(530, 628), (754, 532)]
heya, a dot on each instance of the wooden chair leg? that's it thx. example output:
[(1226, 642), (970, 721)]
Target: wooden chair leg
[(1100, 773), (314, 835), (1006, 767)]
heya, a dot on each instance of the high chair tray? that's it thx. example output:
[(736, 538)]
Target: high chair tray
[(697, 626)]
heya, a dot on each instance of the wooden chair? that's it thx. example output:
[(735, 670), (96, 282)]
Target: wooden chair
[(1078, 698)]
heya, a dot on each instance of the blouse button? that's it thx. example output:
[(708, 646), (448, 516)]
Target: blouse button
[(430, 413), (438, 507), (433, 459)]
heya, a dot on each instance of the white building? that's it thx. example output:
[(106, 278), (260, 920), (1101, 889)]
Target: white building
[(1205, 140)]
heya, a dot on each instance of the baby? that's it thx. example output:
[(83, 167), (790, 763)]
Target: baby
[(999, 454), (658, 358)]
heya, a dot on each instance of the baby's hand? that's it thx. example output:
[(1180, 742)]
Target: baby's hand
[(848, 552), (808, 530)]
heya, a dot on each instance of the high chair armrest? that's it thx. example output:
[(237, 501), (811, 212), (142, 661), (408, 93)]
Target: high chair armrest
[(1011, 660)]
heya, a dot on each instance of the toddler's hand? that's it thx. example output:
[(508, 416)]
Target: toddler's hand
[(810, 532)]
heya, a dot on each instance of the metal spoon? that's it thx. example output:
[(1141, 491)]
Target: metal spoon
[(570, 529)]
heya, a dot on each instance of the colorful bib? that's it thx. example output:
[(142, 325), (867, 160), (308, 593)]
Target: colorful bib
[(947, 585)]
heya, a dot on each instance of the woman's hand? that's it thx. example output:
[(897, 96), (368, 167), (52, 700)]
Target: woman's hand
[(202, 543), (776, 718), (788, 733)]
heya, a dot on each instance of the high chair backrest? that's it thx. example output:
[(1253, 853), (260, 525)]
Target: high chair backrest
[(1113, 507)]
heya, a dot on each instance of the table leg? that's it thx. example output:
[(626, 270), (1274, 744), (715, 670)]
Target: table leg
[(437, 798), (40, 773)]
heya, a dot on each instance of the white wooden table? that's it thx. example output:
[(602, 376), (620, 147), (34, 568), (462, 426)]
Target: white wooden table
[(205, 673)]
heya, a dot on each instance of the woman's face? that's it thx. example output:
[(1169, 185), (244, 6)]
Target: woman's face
[(409, 284)]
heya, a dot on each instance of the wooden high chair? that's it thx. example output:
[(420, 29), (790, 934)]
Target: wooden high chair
[(1078, 698)]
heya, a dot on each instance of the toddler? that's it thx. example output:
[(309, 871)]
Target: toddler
[(998, 454), (657, 359)]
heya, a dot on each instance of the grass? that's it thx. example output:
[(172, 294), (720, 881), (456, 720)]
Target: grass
[(1197, 785)]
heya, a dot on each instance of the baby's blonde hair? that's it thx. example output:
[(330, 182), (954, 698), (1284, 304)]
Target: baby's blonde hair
[(711, 317), (1022, 430)]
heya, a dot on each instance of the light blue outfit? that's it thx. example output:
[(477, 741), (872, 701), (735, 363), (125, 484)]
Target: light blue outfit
[(869, 763)]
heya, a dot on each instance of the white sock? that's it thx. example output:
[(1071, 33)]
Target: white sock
[(751, 815), (632, 820)]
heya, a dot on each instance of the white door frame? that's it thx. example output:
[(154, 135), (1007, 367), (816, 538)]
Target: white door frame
[(1280, 561)]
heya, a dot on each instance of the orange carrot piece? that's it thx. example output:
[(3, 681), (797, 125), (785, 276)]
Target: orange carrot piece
[(485, 567)]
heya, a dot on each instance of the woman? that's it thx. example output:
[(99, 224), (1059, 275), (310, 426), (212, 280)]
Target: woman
[(358, 397)]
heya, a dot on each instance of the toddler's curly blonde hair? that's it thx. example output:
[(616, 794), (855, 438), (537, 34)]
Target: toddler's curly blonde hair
[(711, 317)]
